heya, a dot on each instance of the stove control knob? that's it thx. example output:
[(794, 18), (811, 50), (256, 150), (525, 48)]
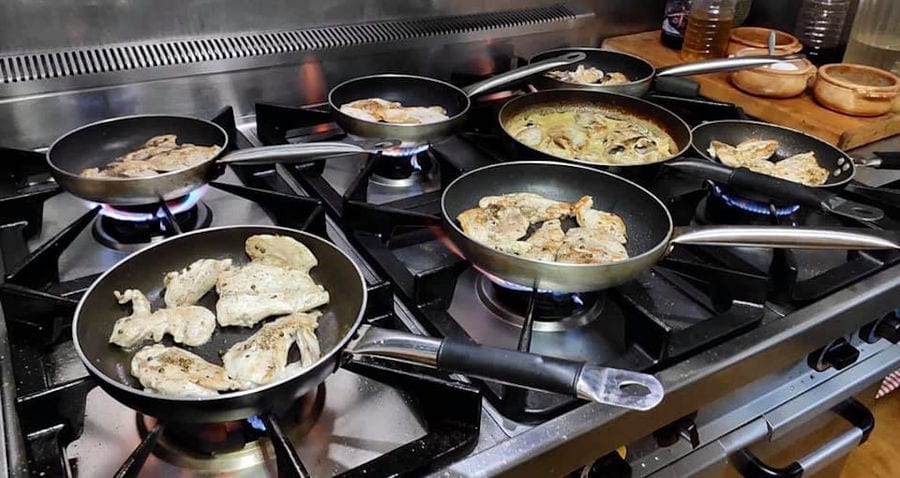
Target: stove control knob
[(888, 327), (838, 354)]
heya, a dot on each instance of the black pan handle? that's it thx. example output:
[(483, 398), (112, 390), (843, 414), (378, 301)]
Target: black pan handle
[(778, 188), (584, 380), (882, 160)]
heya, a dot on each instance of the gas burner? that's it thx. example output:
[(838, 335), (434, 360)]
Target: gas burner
[(151, 211), (132, 234), (404, 166), (721, 207), (231, 446), (553, 312)]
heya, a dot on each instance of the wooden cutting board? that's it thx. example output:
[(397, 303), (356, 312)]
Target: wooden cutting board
[(801, 112)]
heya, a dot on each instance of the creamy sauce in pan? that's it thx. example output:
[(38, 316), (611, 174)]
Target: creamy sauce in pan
[(592, 134)]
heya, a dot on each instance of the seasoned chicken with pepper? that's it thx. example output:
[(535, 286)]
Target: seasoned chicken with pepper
[(281, 251), (584, 245), (609, 223), (263, 357), (189, 285), (189, 325), (754, 155), (378, 109), (258, 290), (494, 224), (158, 154), (535, 207), (174, 371), (546, 241)]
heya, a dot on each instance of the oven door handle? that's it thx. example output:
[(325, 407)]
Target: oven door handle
[(851, 410)]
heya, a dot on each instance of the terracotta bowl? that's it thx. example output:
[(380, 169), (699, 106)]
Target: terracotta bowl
[(858, 90), (756, 37), (782, 80)]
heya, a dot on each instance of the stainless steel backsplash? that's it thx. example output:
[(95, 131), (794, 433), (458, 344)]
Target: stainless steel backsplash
[(69, 62)]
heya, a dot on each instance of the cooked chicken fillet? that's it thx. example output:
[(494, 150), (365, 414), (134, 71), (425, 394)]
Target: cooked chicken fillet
[(494, 224), (802, 168), (546, 241), (377, 109), (588, 75), (263, 357), (189, 285), (245, 310), (590, 246), (182, 157), (609, 223), (174, 371), (189, 325), (162, 141), (259, 278), (281, 251), (535, 207), (158, 154), (752, 155)]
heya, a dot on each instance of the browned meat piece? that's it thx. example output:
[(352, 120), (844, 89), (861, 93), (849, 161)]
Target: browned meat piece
[(535, 207), (546, 241), (590, 246), (609, 223), (494, 224)]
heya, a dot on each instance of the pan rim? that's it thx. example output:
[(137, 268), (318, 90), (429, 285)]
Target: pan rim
[(582, 162), (407, 76), (56, 169), (337, 349), (702, 151), (652, 251), (606, 50)]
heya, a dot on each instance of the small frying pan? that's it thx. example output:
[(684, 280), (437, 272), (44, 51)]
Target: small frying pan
[(411, 90), (641, 73), (340, 334), (97, 144), (650, 230)]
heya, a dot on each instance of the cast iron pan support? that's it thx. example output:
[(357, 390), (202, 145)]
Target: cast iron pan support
[(289, 464), (132, 466)]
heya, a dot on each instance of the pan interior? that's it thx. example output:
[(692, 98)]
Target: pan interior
[(789, 143), (627, 106), (607, 61), (145, 270), (407, 90), (98, 144), (646, 220)]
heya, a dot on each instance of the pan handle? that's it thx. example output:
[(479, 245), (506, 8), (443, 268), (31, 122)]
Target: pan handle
[(302, 153), (517, 74), (787, 237), (882, 160), (724, 64), (621, 388)]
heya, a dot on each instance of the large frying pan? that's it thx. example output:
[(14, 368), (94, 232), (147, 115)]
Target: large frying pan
[(650, 229), (641, 73), (98, 144), (411, 90), (340, 335)]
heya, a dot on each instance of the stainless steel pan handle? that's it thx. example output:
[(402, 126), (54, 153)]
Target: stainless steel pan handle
[(787, 237), (621, 388), (522, 72), (724, 64), (300, 153)]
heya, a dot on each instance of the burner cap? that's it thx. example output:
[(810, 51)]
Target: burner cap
[(402, 171)]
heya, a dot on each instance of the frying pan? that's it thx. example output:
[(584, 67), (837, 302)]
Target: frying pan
[(624, 105), (641, 73), (650, 229), (97, 144), (411, 90), (340, 333)]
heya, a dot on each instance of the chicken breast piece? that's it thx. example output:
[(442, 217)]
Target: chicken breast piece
[(415, 115), (609, 223), (174, 371), (732, 157), (281, 251), (162, 141), (535, 207), (494, 224), (590, 246), (546, 241), (189, 325), (189, 285), (259, 278), (245, 310), (263, 357), (802, 168), (182, 157)]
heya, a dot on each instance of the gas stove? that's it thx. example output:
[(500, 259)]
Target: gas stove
[(704, 320)]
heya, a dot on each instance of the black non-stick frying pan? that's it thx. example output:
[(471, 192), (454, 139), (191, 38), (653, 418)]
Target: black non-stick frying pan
[(339, 329), (649, 226), (97, 144), (412, 90)]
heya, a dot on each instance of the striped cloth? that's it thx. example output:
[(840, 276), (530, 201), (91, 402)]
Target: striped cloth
[(889, 384)]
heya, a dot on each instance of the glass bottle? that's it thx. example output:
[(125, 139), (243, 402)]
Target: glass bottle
[(823, 27), (708, 29), (674, 23), (875, 38)]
